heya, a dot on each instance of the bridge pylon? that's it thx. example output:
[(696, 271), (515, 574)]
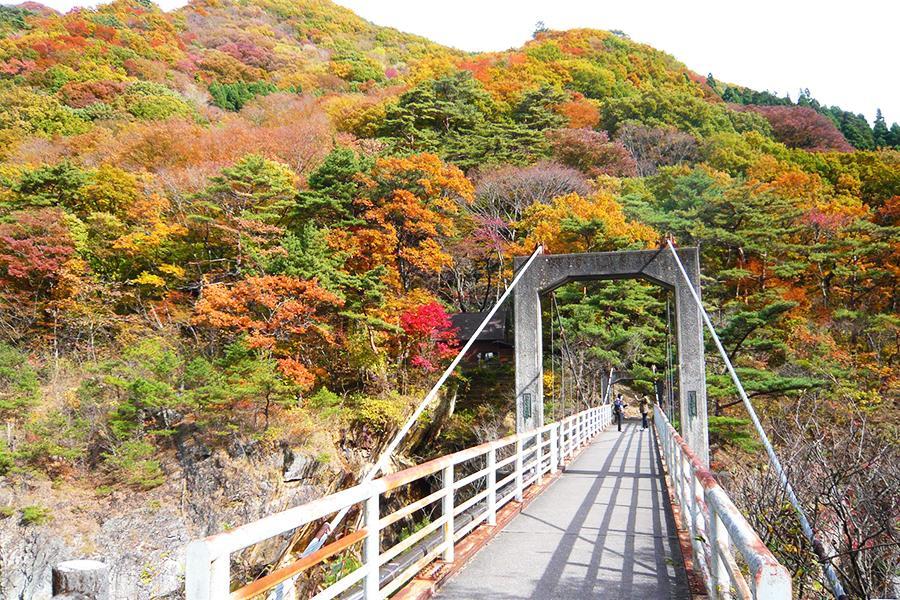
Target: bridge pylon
[(550, 271)]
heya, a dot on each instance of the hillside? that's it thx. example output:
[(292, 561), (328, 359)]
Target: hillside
[(231, 236)]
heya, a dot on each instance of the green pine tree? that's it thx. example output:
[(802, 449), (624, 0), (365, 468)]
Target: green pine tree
[(880, 132)]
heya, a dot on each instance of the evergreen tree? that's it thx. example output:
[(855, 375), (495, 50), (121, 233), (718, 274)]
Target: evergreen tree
[(880, 132), (233, 96), (895, 135), (855, 128), (59, 185), (457, 119), (333, 188), (19, 387), (535, 110)]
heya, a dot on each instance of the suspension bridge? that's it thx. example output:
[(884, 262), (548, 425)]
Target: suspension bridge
[(567, 509)]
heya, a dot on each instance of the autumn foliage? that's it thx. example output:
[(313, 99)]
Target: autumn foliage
[(252, 219), (283, 316)]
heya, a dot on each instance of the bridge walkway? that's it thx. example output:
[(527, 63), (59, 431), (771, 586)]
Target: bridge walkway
[(604, 529)]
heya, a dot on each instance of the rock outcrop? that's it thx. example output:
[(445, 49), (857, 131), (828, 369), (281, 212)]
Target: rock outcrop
[(142, 536)]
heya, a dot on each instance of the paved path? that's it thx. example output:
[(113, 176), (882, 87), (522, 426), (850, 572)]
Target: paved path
[(603, 530)]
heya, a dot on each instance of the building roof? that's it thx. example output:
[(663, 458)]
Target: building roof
[(467, 323)]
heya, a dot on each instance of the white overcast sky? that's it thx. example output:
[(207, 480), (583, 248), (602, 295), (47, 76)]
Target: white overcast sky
[(845, 52)]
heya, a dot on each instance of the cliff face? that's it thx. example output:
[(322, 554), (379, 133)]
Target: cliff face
[(143, 536)]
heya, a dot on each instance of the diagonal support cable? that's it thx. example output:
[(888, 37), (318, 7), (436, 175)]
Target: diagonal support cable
[(326, 530), (817, 545)]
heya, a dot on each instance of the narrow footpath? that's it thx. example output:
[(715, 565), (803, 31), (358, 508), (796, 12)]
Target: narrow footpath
[(603, 530)]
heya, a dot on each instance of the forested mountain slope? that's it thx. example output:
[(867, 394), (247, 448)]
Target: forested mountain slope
[(236, 231)]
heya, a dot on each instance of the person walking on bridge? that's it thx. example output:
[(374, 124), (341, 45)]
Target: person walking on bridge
[(619, 409), (645, 408)]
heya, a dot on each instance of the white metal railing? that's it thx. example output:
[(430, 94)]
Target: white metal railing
[(503, 470), (714, 524)]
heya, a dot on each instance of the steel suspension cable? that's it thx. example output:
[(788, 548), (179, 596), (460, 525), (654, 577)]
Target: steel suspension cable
[(382, 461), (609, 384), (670, 375), (568, 353), (817, 545), (562, 352), (556, 407)]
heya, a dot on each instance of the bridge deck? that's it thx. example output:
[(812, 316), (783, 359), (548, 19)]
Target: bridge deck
[(603, 530)]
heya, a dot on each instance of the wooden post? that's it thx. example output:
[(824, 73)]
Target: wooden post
[(87, 579)]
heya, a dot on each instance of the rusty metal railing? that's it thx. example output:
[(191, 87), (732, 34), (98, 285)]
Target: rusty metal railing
[(510, 466), (715, 525)]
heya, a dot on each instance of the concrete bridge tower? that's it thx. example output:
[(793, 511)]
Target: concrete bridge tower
[(550, 271)]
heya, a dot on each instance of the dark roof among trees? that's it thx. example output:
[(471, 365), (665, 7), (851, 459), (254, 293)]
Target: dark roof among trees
[(467, 323)]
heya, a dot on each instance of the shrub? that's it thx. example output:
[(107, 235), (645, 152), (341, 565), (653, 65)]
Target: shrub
[(132, 464), (18, 384), (591, 152), (733, 431), (801, 127), (6, 458), (326, 402), (654, 147), (381, 414), (35, 515), (153, 102)]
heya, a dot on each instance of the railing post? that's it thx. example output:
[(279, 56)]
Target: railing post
[(679, 466), (672, 455), (579, 427), (372, 548), (560, 441), (518, 461), (554, 454), (196, 571), (573, 433), (571, 429), (447, 506), (576, 431), (721, 584), (774, 583), (695, 505), (492, 486), (539, 457)]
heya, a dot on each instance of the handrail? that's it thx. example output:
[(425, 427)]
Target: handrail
[(714, 523), (536, 453), (818, 546)]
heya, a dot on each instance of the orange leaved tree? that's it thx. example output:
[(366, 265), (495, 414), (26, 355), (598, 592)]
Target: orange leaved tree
[(284, 317)]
